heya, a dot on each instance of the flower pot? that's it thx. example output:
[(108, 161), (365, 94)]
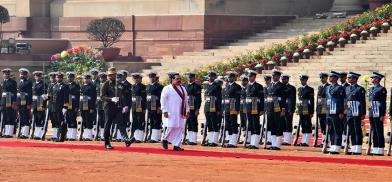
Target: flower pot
[(283, 62), (265, 67), (385, 29), (295, 59), (271, 66), (307, 55), (110, 53), (331, 48), (364, 37), (353, 40), (320, 52), (374, 33), (342, 44)]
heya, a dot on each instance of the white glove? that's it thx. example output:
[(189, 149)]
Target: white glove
[(115, 99), (45, 97), (64, 111), (125, 109)]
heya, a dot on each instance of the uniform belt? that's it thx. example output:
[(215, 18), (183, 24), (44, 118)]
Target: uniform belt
[(250, 99), (4, 94)]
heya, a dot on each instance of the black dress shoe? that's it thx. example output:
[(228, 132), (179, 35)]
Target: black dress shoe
[(275, 148), (269, 143), (334, 153), (241, 142), (72, 140), (7, 136), (109, 147), (286, 144), (152, 141), (231, 146), (165, 144), (213, 145), (378, 154), (128, 142), (191, 143), (304, 145), (354, 153), (175, 148), (37, 138), (253, 147), (205, 145), (138, 141)]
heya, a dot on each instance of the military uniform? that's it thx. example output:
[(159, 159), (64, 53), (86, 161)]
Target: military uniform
[(154, 91), (24, 100), (97, 125), (139, 106), (243, 109), (39, 106), (100, 110), (305, 112), (213, 111), (232, 103), (377, 110), (124, 119), (59, 106), (194, 93), (291, 103), (51, 106), (356, 99), (8, 103), (321, 107), (88, 97), (73, 107), (346, 86)]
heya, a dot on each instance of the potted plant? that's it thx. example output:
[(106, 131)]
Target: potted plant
[(259, 68), (385, 27), (276, 59), (283, 61), (374, 32), (307, 53), (296, 57), (271, 65), (320, 50), (331, 46), (323, 42), (353, 38), (289, 56), (342, 42), (356, 31), (108, 31), (364, 34), (300, 50)]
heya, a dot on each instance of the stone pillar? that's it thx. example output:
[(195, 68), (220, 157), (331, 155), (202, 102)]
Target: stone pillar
[(349, 6)]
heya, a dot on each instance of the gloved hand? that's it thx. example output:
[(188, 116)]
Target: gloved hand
[(125, 109), (45, 97), (64, 111), (115, 99)]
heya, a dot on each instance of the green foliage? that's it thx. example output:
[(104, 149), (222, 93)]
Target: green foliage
[(106, 30)]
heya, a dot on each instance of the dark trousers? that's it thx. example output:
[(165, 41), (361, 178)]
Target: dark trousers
[(139, 120), (322, 120), (306, 123), (155, 120), (254, 125), (355, 130), (126, 119), (213, 121), (111, 112), (24, 116), (39, 118), (345, 123), (288, 124), (101, 118), (275, 123), (192, 122), (58, 122), (9, 116), (71, 118), (243, 120), (336, 129), (378, 132), (88, 119), (231, 124)]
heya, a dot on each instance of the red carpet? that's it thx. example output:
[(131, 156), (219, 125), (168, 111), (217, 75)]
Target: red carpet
[(368, 162)]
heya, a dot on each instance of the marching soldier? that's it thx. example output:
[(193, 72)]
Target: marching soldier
[(88, 97), (154, 90), (24, 100), (127, 102), (194, 93), (267, 82), (139, 105), (213, 108), (232, 93), (291, 103), (321, 107), (305, 109), (343, 82), (243, 111), (255, 108), (73, 106), (96, 82), (111, 95), (377, 111), (39, 104), (49, 99), (276, 109), (335, 111), (8, 103), (356, 99), (59, 99), (101, 113)]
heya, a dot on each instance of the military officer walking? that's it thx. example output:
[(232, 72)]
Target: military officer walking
[(139, 106), (39, 104), (335, 111), (377, 111), (24, 100), (356, 102), (321, 106), (255, 108), (59, 99), (100, 110), (305, 109), (73, 106), (8, 103), (124, 119), (88, 97), (194, 93), (154, 90), (291, 103), (111, 95)]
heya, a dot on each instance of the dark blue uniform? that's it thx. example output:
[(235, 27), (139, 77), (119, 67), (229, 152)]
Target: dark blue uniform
[(335, 106), (213, 110), (73, 104), (255, 105), (39, 106), (88, 98), (243, 110), (305, 108), (24, 100), (321, 108), (139, 106), (59, 101), (356, 109), (232, 106), (154, 105), (276, 102), (377, 109), (8, 103), (194, 93), (291, 103)]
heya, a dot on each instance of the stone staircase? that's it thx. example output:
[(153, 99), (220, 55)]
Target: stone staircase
[(279, 34)]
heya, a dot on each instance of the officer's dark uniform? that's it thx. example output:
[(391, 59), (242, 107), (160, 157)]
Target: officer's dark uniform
[(39, 106), (243, 110), (346, 86), (154, 91), (127, 102), (97, 83), (139, 106), (276, 103), (213, 110), (377, 110), (305, 110), (100, 110), (335, 106), (50, 102), (8, 103), (88, 97), (59, 102), (356, 102), (291, 103), (24, 100), (194, 93), (321, 107), (255, 106), (73, 107)]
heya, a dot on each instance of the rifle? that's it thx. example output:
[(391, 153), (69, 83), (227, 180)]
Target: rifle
[(266, 132), (390, 137), (316, 132), (1, 123), (185, 132), (45, 128), (324, 150), (239, 130), (370, 137), (96, 127), (203, 141), (297, 131), (81, 129), (146, 129), (19, 127), (32, 125), (262, 130), (223, 130), (348, 138), (246, 132)]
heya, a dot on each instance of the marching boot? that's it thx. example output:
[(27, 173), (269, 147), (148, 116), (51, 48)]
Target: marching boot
[(334, 150), (233, 141), (358, 150), (165, 144), (38, 133), (192, 138), (55, 132), (286, 139), (128, 142), (108, 147), (176, 148), (254, 143), (269, 138)]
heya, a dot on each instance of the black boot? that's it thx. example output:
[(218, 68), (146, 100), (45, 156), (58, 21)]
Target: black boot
[(108, 147), (175, 148), (165, 144), (128, 142)]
